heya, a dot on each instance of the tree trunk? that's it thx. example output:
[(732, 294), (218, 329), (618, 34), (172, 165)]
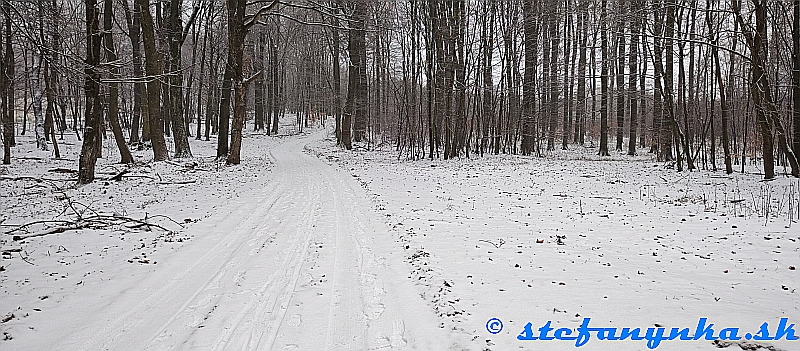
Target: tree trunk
[(723, 101), (553, 89), (36, 88), (604, 79), (113, 90), (358, 69), (658, 107), (633, 66), (237, 30), (580, 108), (258, 89), (7, 92), (134, 33), (93, 109), (337, 81), (155, 120), (175, 36), (620, 79), (233, 78)]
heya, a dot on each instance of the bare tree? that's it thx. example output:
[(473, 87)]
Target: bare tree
[(152, 70), (93, 109), (113, 86)]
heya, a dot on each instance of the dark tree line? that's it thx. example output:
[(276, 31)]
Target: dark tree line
[(695, 83)]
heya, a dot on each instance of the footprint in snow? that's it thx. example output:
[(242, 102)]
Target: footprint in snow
[(398, 330), (294, 320)]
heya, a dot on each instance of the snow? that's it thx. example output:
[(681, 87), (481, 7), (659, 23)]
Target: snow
[(306, 246), (626, 242)]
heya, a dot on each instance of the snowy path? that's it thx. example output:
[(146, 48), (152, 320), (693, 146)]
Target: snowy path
[(303, 263)]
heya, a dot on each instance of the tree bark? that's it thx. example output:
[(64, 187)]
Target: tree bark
[(134, 33), (633, 67), (604, 79), (7, 79), (357, 74), (113, 89), (723, 101), (153, 86), (175, 37), (620, 79), (93, 108)]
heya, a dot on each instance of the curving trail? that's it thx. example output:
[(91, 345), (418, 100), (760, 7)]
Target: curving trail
[(304, 263)]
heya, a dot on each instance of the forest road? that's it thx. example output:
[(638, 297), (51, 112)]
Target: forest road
[(303, 263)]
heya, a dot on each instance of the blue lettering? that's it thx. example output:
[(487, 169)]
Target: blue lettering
[(527, 333), (704, 331), (682, 333), (630, 333), (607, 334), (763, 333), (729, 334), (784, 330), (544, 330), (654, 340), (560, 334), (584, 333)]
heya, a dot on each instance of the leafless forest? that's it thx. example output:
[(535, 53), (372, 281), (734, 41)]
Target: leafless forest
[(701, 84)]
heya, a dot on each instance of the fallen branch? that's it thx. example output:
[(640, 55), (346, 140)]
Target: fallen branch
[(493, 244), (119, 175), (94, 221), (178, 182)]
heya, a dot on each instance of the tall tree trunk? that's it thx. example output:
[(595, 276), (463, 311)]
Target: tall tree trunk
[(554, 91), (487, 46), (176, 37), (258, 89), (580, 114), (723, 101), (633, 66), (36, 86), (658, 106), (237, 31), (200, 80), (7, 85), (233, 79), (276, 89), (621, 78), (93, 111), (356, 105), (155, 120), (337, 80), (604, 79), (667, 78), (358, 69), (529, 77), (134, 33), (113, 89)]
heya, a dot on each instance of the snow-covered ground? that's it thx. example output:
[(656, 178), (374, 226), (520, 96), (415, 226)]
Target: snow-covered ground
[(306, 246), (627, 243)]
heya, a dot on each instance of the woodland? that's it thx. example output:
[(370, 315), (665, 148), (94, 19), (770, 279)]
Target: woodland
[(241, 174), (699, 84)]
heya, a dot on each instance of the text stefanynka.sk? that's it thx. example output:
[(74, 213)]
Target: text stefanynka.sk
[(653, 335)]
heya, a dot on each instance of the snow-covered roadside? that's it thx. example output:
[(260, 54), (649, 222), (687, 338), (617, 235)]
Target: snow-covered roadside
[(42, 275), (625, 242)]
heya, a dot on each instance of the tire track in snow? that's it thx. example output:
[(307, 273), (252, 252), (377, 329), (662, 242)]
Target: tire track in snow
[(232, 289), (166, 288)]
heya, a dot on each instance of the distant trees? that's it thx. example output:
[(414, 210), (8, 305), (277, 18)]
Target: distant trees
[(441, 79)]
